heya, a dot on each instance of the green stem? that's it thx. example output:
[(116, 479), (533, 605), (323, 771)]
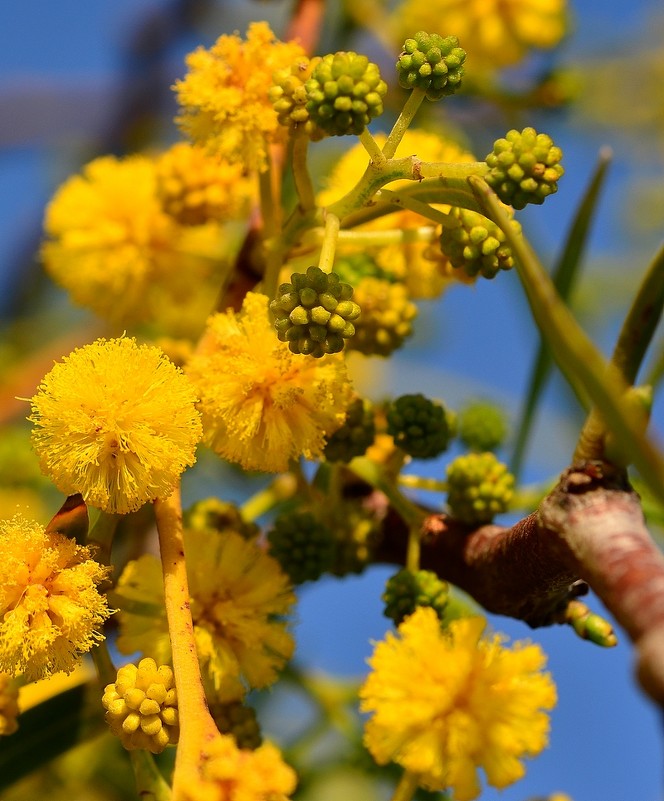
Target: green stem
[(271, 217), (410, 109), (150, 784), (423, 209), (422, 483), (101, 537), (281, 489), (371, 146), (106, 671), (374, 475), (301, 175), (407, 786), (329, 246)]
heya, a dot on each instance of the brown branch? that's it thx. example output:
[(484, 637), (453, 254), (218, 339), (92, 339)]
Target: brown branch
[(590, 527)]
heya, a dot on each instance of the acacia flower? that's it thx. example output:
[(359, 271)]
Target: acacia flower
[(494, 33), (445, 703), (50, 609), (237, 592), (230, 773), (261, 404), (225, 94), (115, 421)]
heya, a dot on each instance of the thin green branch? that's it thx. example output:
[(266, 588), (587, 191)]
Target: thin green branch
[(410, 109), (372, 147), (301, 175), (404, 201)]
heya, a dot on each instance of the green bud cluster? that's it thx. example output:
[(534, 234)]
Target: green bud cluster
[(482, 426), (387, 315), (212, 513), (289, 97), (479, 488), (407, 589), (355, 435), (524, 167), (314, 313), (303, 546), (238, 720), (357, 535), (432, 63), (477, 245), (353, 267), (345, 92), (141, 706), (420, 427)]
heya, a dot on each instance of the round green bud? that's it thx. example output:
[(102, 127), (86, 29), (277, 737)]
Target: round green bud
[(314, 313), (482, 426), (432, 63), (355, 435), (238, 720), (303, 546), (479, 488), (524, 167), (419, 426), (477, 245), (345, 92), (406, 590), (387, 315)]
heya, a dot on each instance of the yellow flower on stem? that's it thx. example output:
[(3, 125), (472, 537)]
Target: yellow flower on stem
[(237, 593), (444, 703), (116, 422), (230, 773), (225, 95), (261, 404), (50, 609)]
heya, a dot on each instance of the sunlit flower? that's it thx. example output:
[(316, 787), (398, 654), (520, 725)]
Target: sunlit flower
[(8, 705), (445, 703), (261, 404), (115, 421), (423, 269), (233, 774), (224, 96), (237, 592), (494, 33), (50, 609)]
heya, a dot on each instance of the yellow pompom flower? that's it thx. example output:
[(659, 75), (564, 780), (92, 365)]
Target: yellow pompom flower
[(50, 609), (230, 773), (8, 705), (117, 422), (261, 404), (195, 187), (423, 275), (225, 95), (494, 33), (237, 591), (445, 703)]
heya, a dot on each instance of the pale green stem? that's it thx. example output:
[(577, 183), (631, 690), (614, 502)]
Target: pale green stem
[(271, 216), (407, 786), (413, 549), (101, 537), (374, 475), (576, 356), (394, 236), (422, 483), (150, 784), (301, 175), (423, 209), (371, 146), (197, 727), (329, 246), (409, 110), (281, 489)]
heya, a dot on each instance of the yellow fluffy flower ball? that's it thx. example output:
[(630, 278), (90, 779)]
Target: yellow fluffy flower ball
[(424, 275), (50, 609), (116, 422), (230, 773), (494, 33), (444, 703), (225, 95), (239, 596), (261, 404)]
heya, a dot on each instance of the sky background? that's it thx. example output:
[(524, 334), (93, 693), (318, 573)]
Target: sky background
[(63, 69)]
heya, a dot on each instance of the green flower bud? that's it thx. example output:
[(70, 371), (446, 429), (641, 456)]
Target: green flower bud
[(302, 545), (288, 96), (479, 488), (420, 426), (355, 435), (524, 167), (141, 707), (387, 314), (345, 92), (238, 720), (406, 590), (477, 245), (314, 313), (432, 63), (482, 426)]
